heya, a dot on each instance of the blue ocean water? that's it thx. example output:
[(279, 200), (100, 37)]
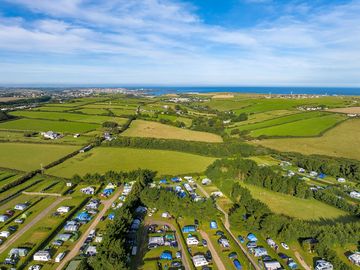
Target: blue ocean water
[(258, 90)]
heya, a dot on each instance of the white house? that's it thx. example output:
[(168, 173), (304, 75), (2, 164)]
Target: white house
[(192, 241), (63, 209), (355, 258), (42, 255), (4, 218), (199, 260), (323, 265), (5, 234), (50, 135), (21, 206), (355, 194), (272, 265)]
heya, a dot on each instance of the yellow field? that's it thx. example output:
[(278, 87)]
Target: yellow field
[(141, 128), (346, 110), (341, 141)]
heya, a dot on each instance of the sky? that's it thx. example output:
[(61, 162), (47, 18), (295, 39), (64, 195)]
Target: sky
[(180, 42)]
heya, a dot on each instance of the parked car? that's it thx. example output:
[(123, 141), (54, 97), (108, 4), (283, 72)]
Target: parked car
[(283, 256), (19, 221), (176, 264), (204, 242), (178, 255), (208, 256), (266, 258), (285, 246), (237, 264), (12, 228), (219, 233)]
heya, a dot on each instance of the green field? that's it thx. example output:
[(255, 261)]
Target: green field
[(28, 157), (102, 159), (46, 125), (141, 128), (307, 209), (301, 128), (76, 117), (341, 141)]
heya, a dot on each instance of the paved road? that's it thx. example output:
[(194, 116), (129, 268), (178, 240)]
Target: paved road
[(75, 250), (220, 265), (183, 250), (20, 232), (227, 227)]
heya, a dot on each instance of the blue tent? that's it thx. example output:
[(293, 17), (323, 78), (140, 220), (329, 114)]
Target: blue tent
[(166, 255), (189, 229), (213, 224), (182, 194), (175, 179), (252, 237), (111, 216), (322, 175), (108, 191), (292, 265), (83, 216), (163, 181)]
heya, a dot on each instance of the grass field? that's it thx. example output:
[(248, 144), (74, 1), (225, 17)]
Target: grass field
[(27, 157), (76, 117), (140, 128), (102, 159), (336, 142), (294, 207), (45, 125), (186, 121), (307, 127)]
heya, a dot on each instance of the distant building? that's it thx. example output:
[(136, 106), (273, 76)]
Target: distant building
[(51, 135)]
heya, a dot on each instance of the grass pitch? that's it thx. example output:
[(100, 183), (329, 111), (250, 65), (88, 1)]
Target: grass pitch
[(140, 128), (103, 159)]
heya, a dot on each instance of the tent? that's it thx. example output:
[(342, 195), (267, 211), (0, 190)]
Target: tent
[(83, 216), (213, 224), (111, 216), (252, 237), (166, 255), (189, 229)]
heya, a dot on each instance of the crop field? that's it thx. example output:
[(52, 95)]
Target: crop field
[(46, 125), (307, 209), (140, 128), (92, 111), (346, 110), (6, 177), (186, 121), (335, 142), (103, 159), (307, 127), (50, 108), (76, 117), (28, 157), (260, 117)]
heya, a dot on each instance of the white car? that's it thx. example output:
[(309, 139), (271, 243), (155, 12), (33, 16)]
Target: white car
[(284, 245)]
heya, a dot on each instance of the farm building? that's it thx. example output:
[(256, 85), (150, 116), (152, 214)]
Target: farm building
[(4, 218), (199, 260), (42, 255), (21, 252), (21, 206), (63, 209), (355, 258), (88, 190), (189, 229), (323, 265), (192, 240), (252, 237), (166, 255), (51, 135), (272, 265), (213, 224)]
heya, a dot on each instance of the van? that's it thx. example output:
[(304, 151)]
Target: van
[(60, 257)]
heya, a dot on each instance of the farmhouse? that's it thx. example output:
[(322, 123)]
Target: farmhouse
[(192, 240), (323, 265), (50, 135), (4, 218), (355, 258), (42, 255), (199, 260)]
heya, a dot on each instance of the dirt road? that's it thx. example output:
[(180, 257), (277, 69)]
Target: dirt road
[(220, 265), (182, 248), (301, 260), (75, 250), (20, 232), (227, 227)]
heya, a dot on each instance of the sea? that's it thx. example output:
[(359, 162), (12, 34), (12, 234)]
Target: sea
[(331, 91)]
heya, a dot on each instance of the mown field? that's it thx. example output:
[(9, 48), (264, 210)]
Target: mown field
[(46, 125), (102, 159), (140, 128), (307, 127), (28, 157), (295, 207), (341, 141)]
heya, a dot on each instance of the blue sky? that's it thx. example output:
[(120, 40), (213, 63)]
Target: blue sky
[(180, 42)]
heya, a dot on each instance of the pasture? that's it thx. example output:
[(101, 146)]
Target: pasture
[(341, 141), (140, 128), (103, 159), (307, 209), (28, 157), (302, 128), (45, 125)]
